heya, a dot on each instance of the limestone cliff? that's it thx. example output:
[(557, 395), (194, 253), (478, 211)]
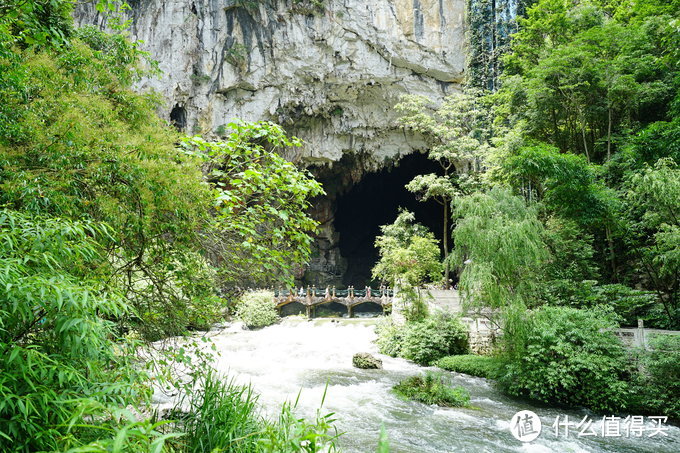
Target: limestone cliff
[(330, 71)]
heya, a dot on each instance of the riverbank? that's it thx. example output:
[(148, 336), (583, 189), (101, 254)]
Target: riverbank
[(299, 355)]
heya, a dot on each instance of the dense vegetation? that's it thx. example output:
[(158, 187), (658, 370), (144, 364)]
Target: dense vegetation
[(433, 389), (564, 188), (114, 231), (424, 341), (255, 309), (474, 365)]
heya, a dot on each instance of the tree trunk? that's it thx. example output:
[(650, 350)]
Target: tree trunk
[(446, 244), (585, 142), (609, 135), (612, 255)]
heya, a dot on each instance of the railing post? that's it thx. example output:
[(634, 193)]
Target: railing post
[(641, 334), (334, 296)]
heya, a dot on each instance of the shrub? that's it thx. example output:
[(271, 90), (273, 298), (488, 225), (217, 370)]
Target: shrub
[(658, 386), (433, 338), (433, 389), (566, 356), (256, 309), (59, 364), (390, 337), (474, 365), (630, 304)]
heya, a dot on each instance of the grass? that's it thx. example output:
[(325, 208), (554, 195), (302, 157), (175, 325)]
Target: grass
[(433, 389), (474, 365), (224, 417)]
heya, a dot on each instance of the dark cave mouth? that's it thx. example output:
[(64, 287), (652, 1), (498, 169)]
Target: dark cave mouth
[(374, 201)]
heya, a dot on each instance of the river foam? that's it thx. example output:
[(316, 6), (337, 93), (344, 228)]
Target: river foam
[(313, 357)]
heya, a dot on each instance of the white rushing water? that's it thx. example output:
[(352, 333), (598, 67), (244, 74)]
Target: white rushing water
[(297, 354)]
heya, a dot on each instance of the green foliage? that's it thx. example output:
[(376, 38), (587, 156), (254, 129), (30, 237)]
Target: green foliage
[(579, 75), (38, 22), (257, 309), (260, 201), (308, 7), (566, 356), (58, 362), (571, 251), (128, 435), (409, 258), (500, 247), (566, 183), (655, 193), (291, 434), (474, 365), (104, 231), (629, 304), (390, 337), (223, 417), (435, 337), (423, 341), (658, 386), (433, 389), (82, 145), (456, 134), (236, 54), (383, 442)]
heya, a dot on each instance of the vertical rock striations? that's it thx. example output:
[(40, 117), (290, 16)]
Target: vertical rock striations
[(329, 70), (490, 24)]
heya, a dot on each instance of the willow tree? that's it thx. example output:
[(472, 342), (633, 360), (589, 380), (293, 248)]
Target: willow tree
[(500, 247), (457, 137)]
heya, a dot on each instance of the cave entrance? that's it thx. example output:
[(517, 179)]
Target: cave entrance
[(178, 117), (374, 201)]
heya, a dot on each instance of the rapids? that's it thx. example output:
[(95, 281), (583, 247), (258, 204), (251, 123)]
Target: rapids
[(300, 355)]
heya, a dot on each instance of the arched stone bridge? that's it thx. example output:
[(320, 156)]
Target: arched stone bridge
[(350, 298)]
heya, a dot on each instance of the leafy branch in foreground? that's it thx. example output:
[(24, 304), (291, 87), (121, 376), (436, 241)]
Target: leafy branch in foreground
[(261, 203), (59, 365)]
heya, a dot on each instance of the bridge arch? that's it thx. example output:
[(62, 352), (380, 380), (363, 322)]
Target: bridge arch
[(331, 306), (366, 306), (291, 308)]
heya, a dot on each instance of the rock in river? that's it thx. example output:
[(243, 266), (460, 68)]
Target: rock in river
[(365, 360)]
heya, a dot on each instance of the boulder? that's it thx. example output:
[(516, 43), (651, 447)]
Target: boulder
[(366, 361)]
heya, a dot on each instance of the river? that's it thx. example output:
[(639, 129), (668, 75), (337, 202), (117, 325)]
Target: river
[(298, 354)]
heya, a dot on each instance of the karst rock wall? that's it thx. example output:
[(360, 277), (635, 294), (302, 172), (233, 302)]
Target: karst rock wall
[(330, 74), (330, 71)]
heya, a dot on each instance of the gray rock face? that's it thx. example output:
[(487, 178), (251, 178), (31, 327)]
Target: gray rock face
[(331, 75), (366, 361)]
